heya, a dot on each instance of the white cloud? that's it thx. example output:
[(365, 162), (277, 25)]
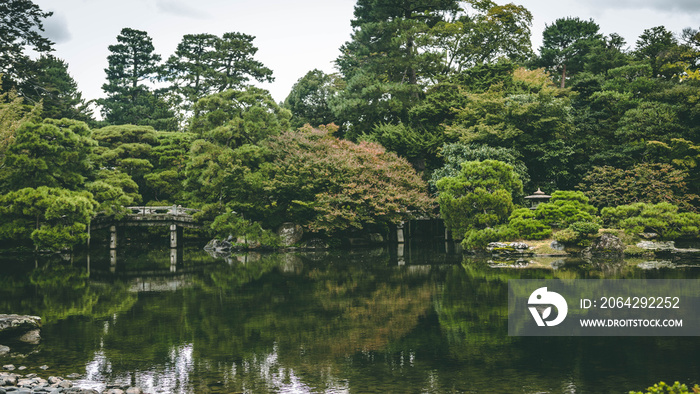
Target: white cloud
[(56, 28), (679, 6), (179, 8)]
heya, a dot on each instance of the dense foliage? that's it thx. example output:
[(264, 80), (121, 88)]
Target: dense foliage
[(326, 184), (478, 199), (421, 88)]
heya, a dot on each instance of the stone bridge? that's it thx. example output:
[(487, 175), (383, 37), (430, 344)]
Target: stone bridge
[(175, 216)]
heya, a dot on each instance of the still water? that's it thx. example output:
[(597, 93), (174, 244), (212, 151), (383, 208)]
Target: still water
[(417, 320)]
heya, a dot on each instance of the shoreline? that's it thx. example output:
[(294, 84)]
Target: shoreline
[(32, 383)]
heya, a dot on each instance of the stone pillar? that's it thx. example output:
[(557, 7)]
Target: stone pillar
[(113, 237), (399, 233), (175, 235), (400, 254)]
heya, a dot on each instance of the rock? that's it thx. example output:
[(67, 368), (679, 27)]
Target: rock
[(114, 391), (218, 246), (66, 384), (290, 233), (4, 350), (648, 235), (606, 244), (21, 368), (512, 248), (8, 378), (8, 367), (556, 245), (55, 380), (657, 246), (18, 324), (134, 390), (44, 367), (73, 376)]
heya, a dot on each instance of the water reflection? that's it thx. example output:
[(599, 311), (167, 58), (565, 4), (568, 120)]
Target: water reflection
[(373, 320)]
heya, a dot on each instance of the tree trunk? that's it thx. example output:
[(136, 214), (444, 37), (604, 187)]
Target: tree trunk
[(563, 76)]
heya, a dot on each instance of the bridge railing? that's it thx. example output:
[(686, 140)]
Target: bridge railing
[(162, 210)]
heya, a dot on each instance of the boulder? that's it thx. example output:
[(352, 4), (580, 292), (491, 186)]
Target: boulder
[(18, 324), (657, 246), (4, 350), (606, 244), (511, 248), (218, 246), (556, 245), (290, 233)]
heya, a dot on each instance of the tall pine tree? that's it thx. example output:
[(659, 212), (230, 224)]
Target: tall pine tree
[(132, 62)]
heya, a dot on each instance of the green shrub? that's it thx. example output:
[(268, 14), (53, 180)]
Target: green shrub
[(233, 224), (663, 219), (585, 228), (523, 221), (479, 238), (566, 236), (661, 388), (565, 208), (479, 197), (578, 233)]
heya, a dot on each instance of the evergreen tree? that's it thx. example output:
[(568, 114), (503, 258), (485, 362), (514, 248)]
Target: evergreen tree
[(204, 64), (565, 44), (56, 89), (234, 62), (129, 101), (658, 48), (21, 28), (386, 62)]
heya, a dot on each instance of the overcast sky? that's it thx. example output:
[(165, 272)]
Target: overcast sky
[(294, 37)]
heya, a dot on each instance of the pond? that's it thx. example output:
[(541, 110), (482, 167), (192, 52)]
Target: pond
[(415, 320)]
